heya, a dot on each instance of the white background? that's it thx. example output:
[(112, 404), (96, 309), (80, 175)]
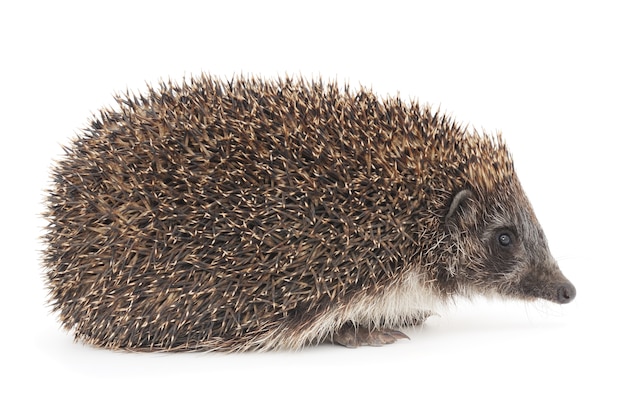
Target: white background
[(549, 75)]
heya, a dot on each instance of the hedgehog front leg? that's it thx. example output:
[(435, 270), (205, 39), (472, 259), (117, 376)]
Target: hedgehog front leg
[(352, 336)]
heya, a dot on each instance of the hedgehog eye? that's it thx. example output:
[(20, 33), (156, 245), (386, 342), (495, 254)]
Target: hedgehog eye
[(505, 239)]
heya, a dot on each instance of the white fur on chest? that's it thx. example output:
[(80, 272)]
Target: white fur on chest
[(398, 305), (403, 303)]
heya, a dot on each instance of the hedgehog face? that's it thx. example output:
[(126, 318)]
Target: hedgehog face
[(503, 251)]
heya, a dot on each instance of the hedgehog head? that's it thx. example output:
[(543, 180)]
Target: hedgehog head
[(498, 243)]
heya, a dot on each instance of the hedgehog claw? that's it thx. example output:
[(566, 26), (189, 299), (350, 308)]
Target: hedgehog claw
[(424, 316), (352, 337)]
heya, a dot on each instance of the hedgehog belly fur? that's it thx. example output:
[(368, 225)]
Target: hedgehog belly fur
[(401, 304)]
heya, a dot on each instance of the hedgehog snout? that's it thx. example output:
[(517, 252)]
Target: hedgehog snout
[(558, 288), (549, 285), (565, 293)]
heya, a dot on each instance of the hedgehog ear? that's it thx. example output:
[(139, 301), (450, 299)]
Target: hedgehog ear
[(458, 199)]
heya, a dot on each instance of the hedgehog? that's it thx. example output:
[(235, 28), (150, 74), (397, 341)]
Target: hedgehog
[(251, 214)]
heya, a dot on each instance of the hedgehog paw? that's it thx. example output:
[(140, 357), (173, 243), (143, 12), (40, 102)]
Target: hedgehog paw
[(352, 336)]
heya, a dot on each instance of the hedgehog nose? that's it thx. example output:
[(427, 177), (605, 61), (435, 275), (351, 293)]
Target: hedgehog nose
[(566, 293)]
